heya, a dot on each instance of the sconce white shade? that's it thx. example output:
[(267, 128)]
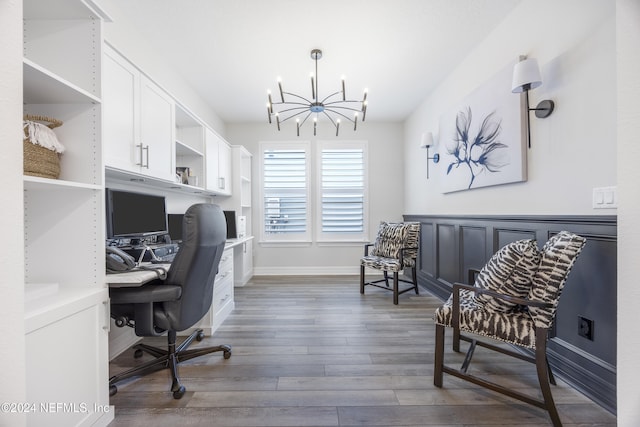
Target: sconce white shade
[(427, 140), (526, 75)]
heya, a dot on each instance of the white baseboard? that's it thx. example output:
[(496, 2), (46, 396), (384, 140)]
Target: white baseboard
[(307, 271)]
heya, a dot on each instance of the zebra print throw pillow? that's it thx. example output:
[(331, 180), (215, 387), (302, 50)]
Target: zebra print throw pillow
[(509, 272), (391, 237), (558, 256)]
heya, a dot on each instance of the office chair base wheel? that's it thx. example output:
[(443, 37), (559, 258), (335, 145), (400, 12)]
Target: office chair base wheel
[(200, 336), (227, 354), (177, 394), (113, 390), (138, 353)]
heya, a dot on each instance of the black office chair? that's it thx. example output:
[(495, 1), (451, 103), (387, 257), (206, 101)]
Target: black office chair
[(178, 302)]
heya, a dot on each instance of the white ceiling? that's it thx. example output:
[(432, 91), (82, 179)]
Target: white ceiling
[(232, 51)]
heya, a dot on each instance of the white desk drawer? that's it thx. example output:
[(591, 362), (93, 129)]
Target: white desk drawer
[(225, 268), (222, 294)]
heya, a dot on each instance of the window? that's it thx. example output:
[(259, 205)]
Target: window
[(342, 191), (338, 184), (285, 192)]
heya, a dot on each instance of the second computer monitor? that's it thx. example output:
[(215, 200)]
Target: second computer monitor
[(232, 231), (174, 222)]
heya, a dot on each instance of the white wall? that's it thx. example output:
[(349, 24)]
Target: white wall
[(123, 36), (572, 151), (385, 195), (628, 107), (12, 352)]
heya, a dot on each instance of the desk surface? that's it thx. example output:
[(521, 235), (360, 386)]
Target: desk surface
[(139, 277)]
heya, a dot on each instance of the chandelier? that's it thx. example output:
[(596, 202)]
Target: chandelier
[(335, 106)]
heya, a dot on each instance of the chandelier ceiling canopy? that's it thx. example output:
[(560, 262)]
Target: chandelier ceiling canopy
[(335, 106)]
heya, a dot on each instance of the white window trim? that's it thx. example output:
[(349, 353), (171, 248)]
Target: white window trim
[(302, 239), (339, 239)]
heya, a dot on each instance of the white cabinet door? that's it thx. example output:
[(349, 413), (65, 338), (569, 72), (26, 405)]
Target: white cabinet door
[(247, 260), (121, 83), (139, 120), (68, 350), (211, 141), (224, 168), (218, 160), (157, 129)]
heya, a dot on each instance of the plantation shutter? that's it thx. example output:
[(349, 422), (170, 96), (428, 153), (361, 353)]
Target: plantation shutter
[(342, 190), (285, 191)]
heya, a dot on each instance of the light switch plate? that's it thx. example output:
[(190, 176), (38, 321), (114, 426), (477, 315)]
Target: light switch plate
[(605, 198)]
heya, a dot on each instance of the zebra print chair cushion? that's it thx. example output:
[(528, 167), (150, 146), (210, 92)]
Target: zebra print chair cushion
[(518, 326), (558, 256), (509, 272), (515, 327)]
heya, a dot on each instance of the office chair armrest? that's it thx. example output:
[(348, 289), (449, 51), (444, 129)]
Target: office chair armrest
[(145, 294), (138, 305)]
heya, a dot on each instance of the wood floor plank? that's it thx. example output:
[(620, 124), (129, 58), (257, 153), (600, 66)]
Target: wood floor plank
[(314, 352)]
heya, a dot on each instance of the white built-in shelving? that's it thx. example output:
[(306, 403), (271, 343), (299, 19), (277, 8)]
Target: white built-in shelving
[(240, 202), (66, 297)]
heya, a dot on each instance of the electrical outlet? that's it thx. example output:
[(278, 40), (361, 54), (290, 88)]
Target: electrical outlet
[(585, 328)]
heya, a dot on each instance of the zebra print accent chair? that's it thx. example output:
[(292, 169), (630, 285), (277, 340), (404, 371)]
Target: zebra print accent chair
[(514, 300), (395, 248)]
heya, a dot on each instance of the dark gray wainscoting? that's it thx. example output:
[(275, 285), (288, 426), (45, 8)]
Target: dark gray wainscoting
[(452, 245)]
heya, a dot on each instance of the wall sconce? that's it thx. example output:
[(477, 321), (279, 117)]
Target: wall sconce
[(526, 76), (427, 142)]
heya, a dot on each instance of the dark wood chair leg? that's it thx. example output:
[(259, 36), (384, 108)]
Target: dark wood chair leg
[(362, 279), (552, 379), (386, 278), (467, 358), (395, 287), (456, 340), (542, 369), (415, 279), (438, 360)]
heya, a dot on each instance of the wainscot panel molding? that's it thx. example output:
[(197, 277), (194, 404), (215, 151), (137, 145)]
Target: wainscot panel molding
[(451, 246)]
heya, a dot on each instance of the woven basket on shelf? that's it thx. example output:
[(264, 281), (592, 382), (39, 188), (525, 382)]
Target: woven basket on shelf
[(38, 160)]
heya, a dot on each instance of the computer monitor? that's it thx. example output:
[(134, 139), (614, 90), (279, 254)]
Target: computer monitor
[(132, 214), (232, 232), (175, 226)]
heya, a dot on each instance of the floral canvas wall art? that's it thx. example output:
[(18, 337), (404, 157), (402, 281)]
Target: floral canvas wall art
[(481, 139)]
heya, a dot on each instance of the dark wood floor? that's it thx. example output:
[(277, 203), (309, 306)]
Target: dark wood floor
[(312, 351)]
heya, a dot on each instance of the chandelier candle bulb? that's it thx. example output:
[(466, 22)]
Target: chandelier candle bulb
[(337, 126), (364, 110), (355, 121), (278, 120), (298, 126), (280, 87), (344, 96), (315, 125), (269, 112)]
